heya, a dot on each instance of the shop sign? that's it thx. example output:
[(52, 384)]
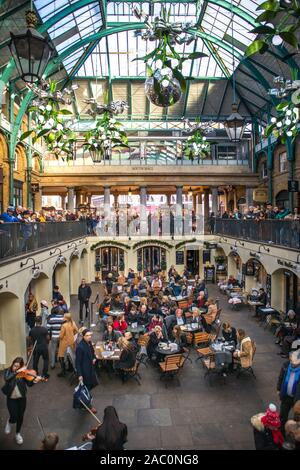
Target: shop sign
[(293, 186), (260, 195), (179, 257)]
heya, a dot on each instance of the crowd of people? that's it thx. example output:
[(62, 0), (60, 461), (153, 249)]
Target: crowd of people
[(261, 212), (135, 307)]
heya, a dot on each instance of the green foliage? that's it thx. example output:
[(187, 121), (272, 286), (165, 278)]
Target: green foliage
[(152, 242), (110, 243), (285, 21), (180, 244), (196, 145), (107, 133), (51, 127)]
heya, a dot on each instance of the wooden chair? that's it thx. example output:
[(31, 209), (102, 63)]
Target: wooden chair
[(241, 370), (132, 373), (201, 338), (183, 304), (208, 364), (172, 365)]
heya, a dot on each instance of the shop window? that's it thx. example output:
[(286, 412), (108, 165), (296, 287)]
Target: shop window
[(283, 166), (18, 193)]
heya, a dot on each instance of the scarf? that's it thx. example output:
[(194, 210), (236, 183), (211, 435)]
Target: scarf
[(296, 371)]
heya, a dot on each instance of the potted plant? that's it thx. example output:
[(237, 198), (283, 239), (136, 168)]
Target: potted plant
[(196, 145), (165, 82)]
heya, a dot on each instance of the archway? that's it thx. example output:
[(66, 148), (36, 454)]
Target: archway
[(41, 288), (151, 258), (74, 274), (20, 188), (110, 258), (256, 276), (234, 265), (12, 327), (285, 292), (282, 199), (60, 278)]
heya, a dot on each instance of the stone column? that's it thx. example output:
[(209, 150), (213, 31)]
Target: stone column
[(38, 200), (234, 199), (249, 197), (214, 200), (178, 213), (71, 199), (107, 212), (143, 211), (63, 202), (206, 210)]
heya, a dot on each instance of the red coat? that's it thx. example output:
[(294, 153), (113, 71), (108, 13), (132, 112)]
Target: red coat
[(120, 326)]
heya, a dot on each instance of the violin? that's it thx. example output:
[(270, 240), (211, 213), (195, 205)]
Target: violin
[(29, 374), (92, 432)]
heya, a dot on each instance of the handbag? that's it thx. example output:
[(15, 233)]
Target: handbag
[(81, 393)]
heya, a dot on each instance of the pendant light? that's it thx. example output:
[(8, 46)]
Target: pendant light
[(235, 123), (30, 50)]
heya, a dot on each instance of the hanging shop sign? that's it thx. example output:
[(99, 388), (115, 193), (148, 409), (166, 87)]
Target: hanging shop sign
[(293, 186), (210, 246), (260, 195), (35, 187)]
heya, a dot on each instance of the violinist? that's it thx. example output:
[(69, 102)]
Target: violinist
[(15, 389), (111, 434)]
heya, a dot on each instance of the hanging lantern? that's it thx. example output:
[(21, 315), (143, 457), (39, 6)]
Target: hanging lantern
[(235, 125), (30, 50)]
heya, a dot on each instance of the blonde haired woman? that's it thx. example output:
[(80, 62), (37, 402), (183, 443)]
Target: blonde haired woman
[(212, 309), (66, 341), (127, 357)]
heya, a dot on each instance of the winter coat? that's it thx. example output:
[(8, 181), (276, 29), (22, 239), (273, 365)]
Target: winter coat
[(66, 337), (280, 381), (84, 363), (84, 293), (245, 353)]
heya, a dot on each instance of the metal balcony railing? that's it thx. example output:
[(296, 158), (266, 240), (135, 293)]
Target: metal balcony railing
[(278, 232), (20, 238)]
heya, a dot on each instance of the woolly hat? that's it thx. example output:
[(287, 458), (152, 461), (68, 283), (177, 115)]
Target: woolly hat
[(10, 209), (271, 419)]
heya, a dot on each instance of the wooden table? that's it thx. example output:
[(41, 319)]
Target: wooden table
[(103, 355)]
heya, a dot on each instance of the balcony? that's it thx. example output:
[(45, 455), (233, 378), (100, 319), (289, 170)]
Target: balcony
[(161, 151), (20, 238), (285, 233)]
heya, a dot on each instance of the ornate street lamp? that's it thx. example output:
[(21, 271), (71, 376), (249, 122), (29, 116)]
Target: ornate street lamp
[(31, 51), (235, 124)]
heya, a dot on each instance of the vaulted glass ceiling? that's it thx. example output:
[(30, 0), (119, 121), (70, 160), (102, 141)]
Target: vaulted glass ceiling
[(112, 56)]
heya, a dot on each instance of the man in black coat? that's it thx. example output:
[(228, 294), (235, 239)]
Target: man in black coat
[(40, 335), (84, 294), (85, 362)]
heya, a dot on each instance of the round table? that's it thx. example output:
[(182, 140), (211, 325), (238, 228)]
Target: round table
[(166, 352), (137, 330)]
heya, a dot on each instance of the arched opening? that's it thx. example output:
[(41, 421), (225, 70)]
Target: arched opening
[(221, 265), (255, 275), (109, 259), (20, 177), (152, 258), (234, 266), (84, 258), (282, 199), (60, 278), (12, 328), (285, 289), (74, 274)]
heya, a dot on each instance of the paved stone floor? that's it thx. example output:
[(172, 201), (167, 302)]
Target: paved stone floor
[(186, 415)]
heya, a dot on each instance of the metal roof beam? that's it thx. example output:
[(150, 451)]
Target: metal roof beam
[(6, 14)]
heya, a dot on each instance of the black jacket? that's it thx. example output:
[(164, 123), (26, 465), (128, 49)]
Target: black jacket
[(99, 443), (281, 379), (127, 359), (230, 336), (84, 293), (153, 343), (84, 363), (11, 381)]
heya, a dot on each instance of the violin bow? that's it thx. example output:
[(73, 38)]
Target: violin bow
[(29, 359), (93, 414), (41, 426)]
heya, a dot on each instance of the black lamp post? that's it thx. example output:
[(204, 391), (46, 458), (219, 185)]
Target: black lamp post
[(30, 50)]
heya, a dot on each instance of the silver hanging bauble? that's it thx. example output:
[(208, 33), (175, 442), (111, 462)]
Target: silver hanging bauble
[(163, 94)]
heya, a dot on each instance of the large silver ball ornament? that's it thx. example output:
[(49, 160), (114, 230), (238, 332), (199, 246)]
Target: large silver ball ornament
[(163, 96)]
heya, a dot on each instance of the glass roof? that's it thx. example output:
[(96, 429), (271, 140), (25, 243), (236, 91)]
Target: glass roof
[(112, 56)]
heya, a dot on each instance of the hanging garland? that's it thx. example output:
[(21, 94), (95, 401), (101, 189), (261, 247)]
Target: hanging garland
[(152, 242), (110, 243), (180, 244), (196, 145)]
